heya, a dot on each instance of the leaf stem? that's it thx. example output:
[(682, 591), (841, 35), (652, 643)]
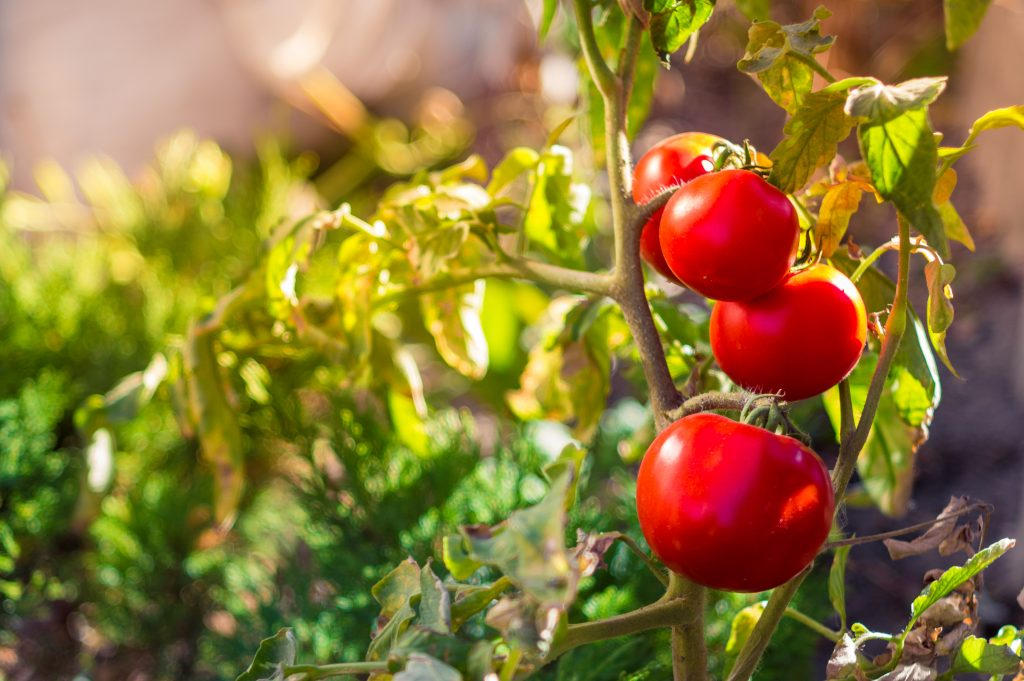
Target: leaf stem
[(689, 649), (815, 66), (651, 564), (813, 624), (775, 608)]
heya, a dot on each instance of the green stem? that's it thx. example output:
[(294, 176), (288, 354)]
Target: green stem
[(664, 613), (604, 79), (310, 672), (513, 268), (871, 258), (651, 564), (689, 649), (853, 440), (627, 63), (813, 624), (815, 66)]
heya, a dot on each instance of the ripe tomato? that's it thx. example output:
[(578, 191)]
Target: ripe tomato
[(732, 506), (800, 339), (675, 159), (729, 235)]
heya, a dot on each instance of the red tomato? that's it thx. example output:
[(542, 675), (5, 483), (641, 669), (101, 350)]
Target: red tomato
[(800, 339), (675, 159), (729, 235), (732, 506)]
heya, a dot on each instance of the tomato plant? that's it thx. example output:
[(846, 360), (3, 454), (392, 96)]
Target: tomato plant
[(396, 305), (732, 506), (729, 235), (799, 339), (674, 160)]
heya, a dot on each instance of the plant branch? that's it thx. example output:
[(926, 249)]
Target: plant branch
[(604, 79), (642, 212), (513, 268), (853, 439), (310, 672), (663, 613), (651, 564), (870, 538)]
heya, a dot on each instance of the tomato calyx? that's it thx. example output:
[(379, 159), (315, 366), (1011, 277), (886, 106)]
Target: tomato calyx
[(770, 412), (728, 155)]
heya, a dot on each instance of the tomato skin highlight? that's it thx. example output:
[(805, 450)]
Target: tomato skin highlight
[(675, 159), (732, 506), (729, 235), (799, 339)]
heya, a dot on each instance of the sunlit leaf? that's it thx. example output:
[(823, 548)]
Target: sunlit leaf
[(452, 317), (817, 126), (471, 600), (1010, 116), (742, 626), (898, 146), (673, 21), (274, 654), (548, 16), (954, 577), (516, 162), (978, 656), (397, 587), (778, 56), (840, 203), (962, 19), (939, 276)]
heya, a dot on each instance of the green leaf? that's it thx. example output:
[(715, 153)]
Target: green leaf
[(1011, 116), (812, 136), (742, 626), (435, 609), (515, 163), (548, 16), (529, 548), (396, 588), (778, 55), (837, 583), (555, 217), (954, 577), (408, 423), (456, 557), (978, 656), (274, 654), (673, 21), (424, 668), (939, 276), (962, 19), (879, 103), (452, 317), (902, 156), (569, 462)]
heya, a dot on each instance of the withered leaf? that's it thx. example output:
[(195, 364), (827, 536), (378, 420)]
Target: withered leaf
[(938, 533)]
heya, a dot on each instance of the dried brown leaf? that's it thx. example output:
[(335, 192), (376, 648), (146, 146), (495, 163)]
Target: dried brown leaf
[(938, 533)]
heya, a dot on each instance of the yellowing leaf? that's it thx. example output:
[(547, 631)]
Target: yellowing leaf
[(453, 318), (940, 309), (840, 203), (812, 134)]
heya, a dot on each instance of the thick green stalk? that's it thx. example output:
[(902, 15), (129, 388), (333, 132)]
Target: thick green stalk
[(852, 441)]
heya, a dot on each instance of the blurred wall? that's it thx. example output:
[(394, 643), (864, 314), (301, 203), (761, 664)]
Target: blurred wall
[(114, 76)]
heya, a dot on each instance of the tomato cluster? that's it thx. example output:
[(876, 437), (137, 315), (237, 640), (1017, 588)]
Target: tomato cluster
[(732, 237), (726, 504)]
